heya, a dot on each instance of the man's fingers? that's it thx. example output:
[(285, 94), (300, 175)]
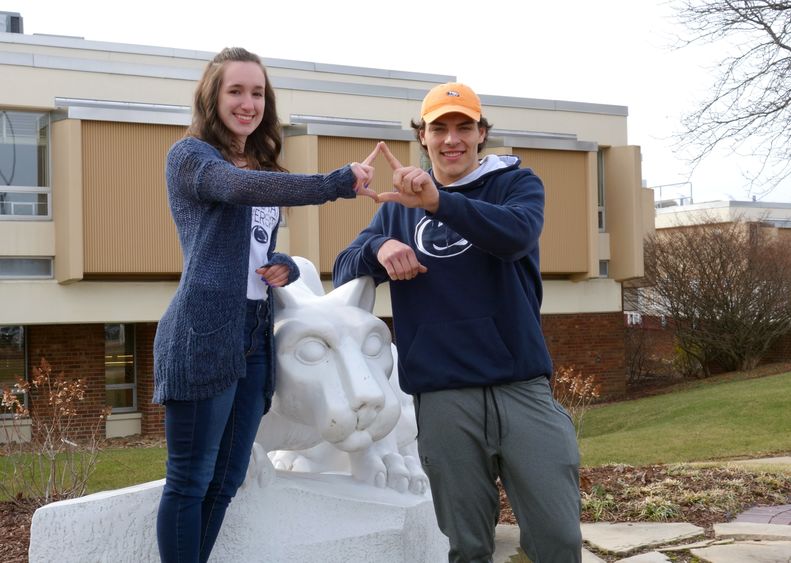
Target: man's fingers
[(371, 157), (391, 159), (390, 196)]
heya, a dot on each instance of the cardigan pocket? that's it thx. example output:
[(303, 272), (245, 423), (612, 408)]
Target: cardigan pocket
[(210, 355)]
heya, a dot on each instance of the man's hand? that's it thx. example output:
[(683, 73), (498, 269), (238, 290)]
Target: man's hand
[(399, 260), (413, 186), (364, 175)]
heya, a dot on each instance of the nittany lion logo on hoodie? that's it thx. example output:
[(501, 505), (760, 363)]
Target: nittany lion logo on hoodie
[(434, 238)]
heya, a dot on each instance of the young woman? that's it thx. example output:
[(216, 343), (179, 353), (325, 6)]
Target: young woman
[(213, 348)]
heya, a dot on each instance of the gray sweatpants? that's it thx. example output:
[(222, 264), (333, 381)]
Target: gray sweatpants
[(467, 438)]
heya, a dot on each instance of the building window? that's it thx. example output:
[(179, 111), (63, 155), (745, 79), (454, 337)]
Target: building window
[(604, 268), (25, 268), (600, 182), (24, 165), (13, 363), (119, 367)]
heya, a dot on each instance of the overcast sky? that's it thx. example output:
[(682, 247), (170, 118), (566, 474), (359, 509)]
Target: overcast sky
[(610, 51)]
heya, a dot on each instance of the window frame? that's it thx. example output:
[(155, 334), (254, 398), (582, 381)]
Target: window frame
[(50, 276), (25, 375), (123, 386), (45, 190)]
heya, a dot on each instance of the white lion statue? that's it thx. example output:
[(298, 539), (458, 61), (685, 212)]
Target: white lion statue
[(337, 405)]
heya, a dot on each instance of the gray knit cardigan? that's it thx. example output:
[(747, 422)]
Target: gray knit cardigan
[(199, 343)]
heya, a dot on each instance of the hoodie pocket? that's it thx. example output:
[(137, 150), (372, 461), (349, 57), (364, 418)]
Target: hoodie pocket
[(458, 354)]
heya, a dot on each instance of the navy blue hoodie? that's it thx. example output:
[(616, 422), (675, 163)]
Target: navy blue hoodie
[(474, 318)]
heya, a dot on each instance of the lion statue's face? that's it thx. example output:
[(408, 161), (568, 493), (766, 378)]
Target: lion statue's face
[(333, 363)]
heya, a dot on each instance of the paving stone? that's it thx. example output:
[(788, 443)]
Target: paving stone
[(506, 545), (767, 515), (688, 546), (621, 538), (650, 557), (588, 557), (506, 542), (751, 531), (780, 462), (742, 552)]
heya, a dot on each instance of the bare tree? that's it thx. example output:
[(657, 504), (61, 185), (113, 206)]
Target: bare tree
[(748, 109), (724, 288)]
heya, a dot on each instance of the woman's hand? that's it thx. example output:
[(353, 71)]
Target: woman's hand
[(364, 175), (275, 276)]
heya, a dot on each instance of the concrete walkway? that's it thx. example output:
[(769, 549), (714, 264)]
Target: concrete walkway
[(734, 542), (759, 535)]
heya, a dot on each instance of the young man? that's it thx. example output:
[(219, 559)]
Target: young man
[(459, 245)]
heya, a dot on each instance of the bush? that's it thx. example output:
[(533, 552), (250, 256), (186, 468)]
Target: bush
[(53, 465), (575, 392)]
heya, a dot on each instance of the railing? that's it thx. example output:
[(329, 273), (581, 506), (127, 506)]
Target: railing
[(25, 202)]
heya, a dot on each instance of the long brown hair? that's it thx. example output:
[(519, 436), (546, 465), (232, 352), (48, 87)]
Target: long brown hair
[(262, 148)]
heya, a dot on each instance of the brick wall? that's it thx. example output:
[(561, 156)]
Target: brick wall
[(153, 421), (78, 352), (592, 343)]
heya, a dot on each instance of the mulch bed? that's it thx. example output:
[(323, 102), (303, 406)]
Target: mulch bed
[(674, 493), (15, 531)]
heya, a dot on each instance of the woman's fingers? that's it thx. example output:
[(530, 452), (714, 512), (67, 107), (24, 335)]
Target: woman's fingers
[(371, 157), (391, 159)]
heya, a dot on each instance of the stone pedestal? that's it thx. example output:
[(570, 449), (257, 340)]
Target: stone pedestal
[(294, 518)]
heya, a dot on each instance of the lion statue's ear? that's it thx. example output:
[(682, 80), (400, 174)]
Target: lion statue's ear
[(309, 275), (306, 287), (359, 292)]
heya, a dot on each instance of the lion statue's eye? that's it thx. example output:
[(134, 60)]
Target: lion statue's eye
[(373, 344), (311, 351)]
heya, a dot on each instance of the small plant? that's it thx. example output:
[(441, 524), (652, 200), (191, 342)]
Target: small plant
[(53, 464), (658, 509), (599, 504), (713, 500), (575, 392)]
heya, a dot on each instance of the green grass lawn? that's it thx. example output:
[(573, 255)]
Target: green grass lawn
[(707, 420), (712, 420), (117, 468)]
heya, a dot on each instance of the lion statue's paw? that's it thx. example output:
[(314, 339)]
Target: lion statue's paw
[(389, 469), (260, 471)]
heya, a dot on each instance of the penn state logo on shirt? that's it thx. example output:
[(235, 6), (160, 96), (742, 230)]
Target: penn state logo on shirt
[(435, 239), (260, 234)]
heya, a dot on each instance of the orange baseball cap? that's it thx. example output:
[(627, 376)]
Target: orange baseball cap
[(452, 97)]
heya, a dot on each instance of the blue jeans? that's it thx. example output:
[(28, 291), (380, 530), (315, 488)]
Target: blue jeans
[(209, 444)]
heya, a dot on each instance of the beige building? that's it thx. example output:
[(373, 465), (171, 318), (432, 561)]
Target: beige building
[(89, 256), (777, 215)]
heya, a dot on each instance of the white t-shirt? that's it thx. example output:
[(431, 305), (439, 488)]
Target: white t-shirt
[(264, 221)]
